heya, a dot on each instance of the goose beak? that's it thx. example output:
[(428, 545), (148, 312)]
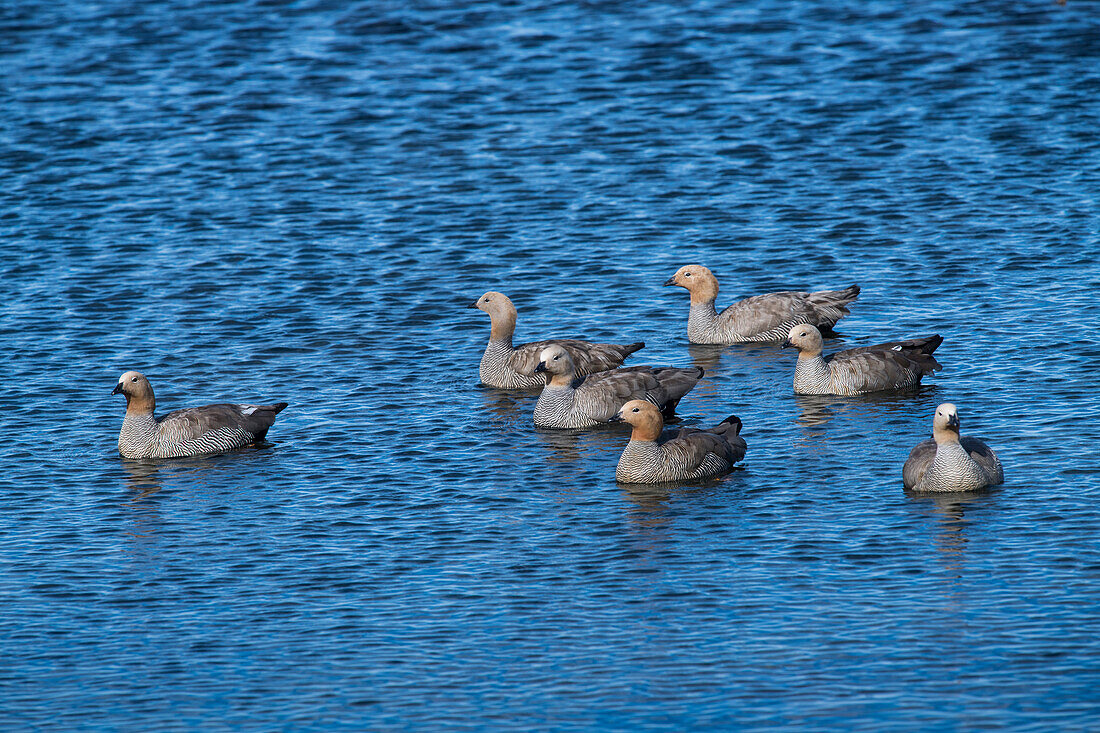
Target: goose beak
[(670, 281), (472, 305), (117, 389), (953, 423), (617, 417), (541, 367), (787, 344)]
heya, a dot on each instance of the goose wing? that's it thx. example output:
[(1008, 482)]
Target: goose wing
[(760, 313), (691, 445), (600, 395), (920, 458), (884, 366), (984, 456), (587, 357), (223, 425)]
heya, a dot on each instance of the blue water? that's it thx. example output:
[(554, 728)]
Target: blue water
[(262, 201)]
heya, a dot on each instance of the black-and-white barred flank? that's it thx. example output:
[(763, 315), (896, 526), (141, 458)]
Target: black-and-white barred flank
[(560, 407), (497, 371), (704, 328), (650, 463), (814, 376), (196, 431)]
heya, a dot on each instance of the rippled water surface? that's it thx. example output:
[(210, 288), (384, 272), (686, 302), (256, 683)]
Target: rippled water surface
[(263, 201)]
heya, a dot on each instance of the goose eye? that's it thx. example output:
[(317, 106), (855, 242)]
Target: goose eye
[(557, 357), (133, 379), (687, 274), (635, 409)]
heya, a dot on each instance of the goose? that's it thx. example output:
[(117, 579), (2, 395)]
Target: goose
[(190, 432), (692, 454), (761, 318), (949, 462), (893, 365)]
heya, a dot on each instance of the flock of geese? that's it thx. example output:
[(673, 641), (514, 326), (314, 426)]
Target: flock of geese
[(583, 384)]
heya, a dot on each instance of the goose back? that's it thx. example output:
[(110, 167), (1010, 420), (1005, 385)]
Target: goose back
[(596, 398), (769, 317), (196, 430)]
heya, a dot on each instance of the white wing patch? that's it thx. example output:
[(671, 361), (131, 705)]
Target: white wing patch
[(247, 410)]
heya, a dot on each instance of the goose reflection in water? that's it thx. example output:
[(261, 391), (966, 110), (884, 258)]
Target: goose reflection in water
[(510, 407), (148, 476), (143, 477), (950, 509), (571, 445), (747, 358), (650, 503), (817, 410), (705, 356)]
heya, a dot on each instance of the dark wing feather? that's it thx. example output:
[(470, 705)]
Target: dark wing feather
[(925, 345), (886, 366), (587, 357), (761, 313), (920, 458), (600, 395), (831, 305), (984, 456), (724, 441), (675, 382), (194, 422)]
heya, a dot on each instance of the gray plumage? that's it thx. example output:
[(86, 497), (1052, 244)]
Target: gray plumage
[(570, 401), (692, 454), (950, 462), (188, 432), (760, 318), (513, 367), (892, 365)]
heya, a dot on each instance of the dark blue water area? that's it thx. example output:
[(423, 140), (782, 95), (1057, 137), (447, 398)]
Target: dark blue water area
[(264, 201)]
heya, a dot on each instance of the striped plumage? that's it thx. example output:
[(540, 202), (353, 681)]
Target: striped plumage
[(513, 367), (893, 365), (760, 318), (188, 432), (569, 401), (950, 462), (692, 454)]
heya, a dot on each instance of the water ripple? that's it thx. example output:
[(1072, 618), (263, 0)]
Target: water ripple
[(296, 201)]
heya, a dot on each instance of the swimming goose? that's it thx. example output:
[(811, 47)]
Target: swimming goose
[(190, 432), (948, 462), (893, 365), (513, 367), (692, 454), (569, 401), (765, 318)]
